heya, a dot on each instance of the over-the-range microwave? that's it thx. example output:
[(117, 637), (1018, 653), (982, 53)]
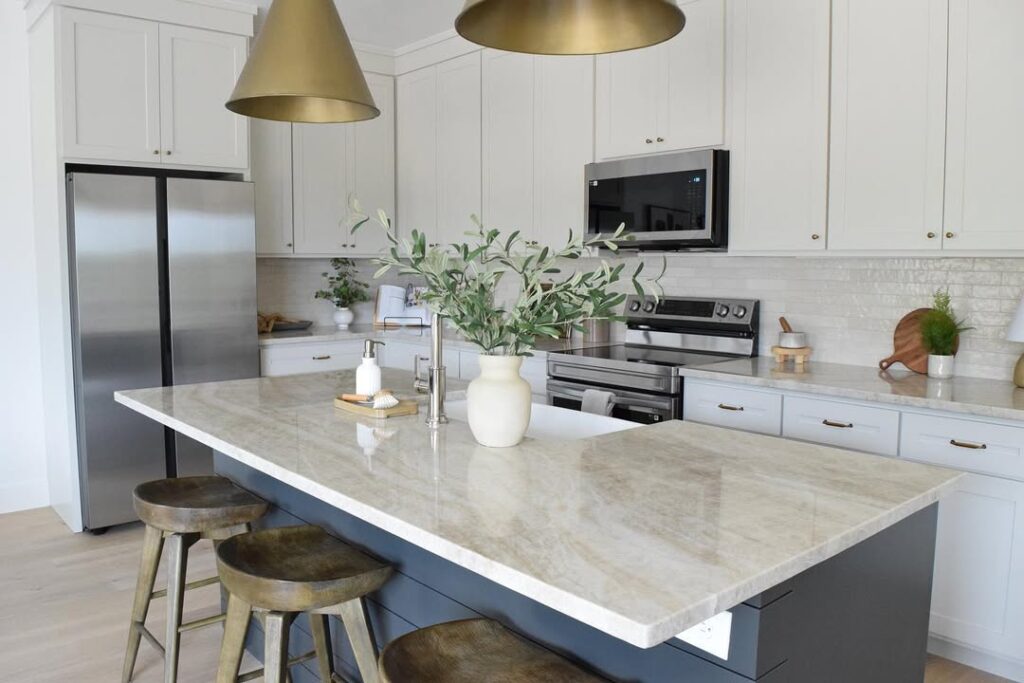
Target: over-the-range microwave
[(671, 202)]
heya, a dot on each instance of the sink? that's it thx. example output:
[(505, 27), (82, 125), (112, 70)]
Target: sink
[(556, 424)]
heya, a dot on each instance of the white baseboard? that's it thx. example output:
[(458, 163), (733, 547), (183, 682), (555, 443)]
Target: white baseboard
[(24, 495), (999, 665)]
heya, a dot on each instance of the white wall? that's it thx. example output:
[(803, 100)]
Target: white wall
[(22, 457)]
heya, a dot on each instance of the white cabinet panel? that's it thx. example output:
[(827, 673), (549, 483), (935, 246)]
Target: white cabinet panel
[(416, 98), (110, 75), (888, 124), (373, 155), (322, 176), (978, 595), (402, 355), (198, 71), (732, 407), (780, 110), (628, 94), (964, 444), (986, 140), (272, 177), (458, 147), (846, 425)]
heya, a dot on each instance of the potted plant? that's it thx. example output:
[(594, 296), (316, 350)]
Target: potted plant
[(462, 285), (940, 333), (343, 290)]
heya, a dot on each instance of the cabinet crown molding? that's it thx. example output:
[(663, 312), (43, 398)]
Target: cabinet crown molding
[(229, 16)]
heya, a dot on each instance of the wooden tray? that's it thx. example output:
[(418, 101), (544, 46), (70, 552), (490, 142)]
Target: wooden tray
[(403, 409)]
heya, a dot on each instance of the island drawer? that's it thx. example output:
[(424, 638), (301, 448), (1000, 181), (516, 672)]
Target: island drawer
[(297, 359), (964, 444), (728, 406), (846, 425)]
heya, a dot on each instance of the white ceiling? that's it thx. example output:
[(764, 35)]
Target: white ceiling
[(393, 24)]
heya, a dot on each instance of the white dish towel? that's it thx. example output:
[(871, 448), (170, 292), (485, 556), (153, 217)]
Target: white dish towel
[(598, 402)]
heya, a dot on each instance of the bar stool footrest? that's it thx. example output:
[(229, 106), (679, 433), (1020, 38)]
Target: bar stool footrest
[(258, 673), (201, 583)]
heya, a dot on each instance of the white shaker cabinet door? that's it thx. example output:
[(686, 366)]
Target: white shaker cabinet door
[(984, 176), (373, 152), (198, 72), (780, 96), (272, 177), (322, 177), (416, 100), (629, 92), (110, 76), (888, 124), (458, 147)]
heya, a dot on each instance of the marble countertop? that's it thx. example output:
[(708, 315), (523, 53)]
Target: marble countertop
[(969, 395), (641, 534)]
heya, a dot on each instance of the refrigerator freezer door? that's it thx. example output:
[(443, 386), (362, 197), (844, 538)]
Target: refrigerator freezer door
[(112, 226), (211, 255)]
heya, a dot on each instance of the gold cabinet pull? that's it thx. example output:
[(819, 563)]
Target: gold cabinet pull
[(735, 409), (321, 357), (969, 445), (931, 235), (837, 425), (815, 236), (950, 235), (661, 139), (649, 141)]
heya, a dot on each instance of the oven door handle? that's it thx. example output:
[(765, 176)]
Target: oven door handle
[(572, 393)]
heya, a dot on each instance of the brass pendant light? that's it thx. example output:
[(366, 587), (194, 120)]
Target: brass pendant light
[(303, 69), (569, 27)]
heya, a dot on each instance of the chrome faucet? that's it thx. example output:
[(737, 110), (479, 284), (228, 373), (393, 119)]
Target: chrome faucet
[(434, 382)]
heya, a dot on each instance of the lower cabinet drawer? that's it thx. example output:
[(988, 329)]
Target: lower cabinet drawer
[(846, 425), (964, 444), (298, 359), (728, 406)]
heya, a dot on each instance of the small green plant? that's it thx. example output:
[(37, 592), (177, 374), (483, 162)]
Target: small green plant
[(940, 328), (343, 289), (462, 280)]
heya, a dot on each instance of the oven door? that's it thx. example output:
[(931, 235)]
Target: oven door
[(628, 405)]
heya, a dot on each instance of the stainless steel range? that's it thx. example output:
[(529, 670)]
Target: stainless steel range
[(642, 375)]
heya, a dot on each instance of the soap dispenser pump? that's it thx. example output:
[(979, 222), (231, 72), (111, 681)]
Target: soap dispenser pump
[(368, 374)]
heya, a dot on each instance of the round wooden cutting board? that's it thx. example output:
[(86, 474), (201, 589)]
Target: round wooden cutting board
[(908, 346)]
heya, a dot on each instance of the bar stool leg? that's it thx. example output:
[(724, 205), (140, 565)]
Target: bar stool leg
[(321, 627), (275, 651), (177, 563), (152, 546), (233, 646), (353, 615)]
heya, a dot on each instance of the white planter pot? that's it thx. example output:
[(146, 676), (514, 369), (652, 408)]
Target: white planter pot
[(941, 367), (343, 317), (498, 402)]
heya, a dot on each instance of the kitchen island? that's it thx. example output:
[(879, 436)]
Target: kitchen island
[(781, 561)]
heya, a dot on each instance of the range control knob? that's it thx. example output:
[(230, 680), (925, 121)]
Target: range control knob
[(635, 306), (740, 312), (649, 307), (723, 310)]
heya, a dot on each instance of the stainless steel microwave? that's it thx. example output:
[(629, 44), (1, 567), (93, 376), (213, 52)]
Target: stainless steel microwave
[(670, 202)]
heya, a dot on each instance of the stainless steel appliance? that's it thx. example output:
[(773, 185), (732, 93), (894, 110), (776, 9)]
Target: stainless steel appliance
[(661, 337), (163, 291), (670, 202)]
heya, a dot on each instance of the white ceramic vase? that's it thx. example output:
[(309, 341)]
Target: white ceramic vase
[(498, 402), (343, 317), (941, 367)]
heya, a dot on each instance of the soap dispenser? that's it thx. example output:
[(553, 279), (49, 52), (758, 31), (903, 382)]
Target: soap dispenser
[(368, 374)]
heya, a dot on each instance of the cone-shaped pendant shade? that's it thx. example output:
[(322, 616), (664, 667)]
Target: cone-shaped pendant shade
[(569, 27), (302, 68)]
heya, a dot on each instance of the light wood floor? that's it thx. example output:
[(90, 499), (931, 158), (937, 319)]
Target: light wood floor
[(65, 599)]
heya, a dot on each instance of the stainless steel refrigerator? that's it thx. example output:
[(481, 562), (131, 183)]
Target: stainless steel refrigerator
[(163, 292)]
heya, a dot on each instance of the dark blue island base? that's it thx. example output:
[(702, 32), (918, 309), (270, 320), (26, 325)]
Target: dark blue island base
[(859, 617)]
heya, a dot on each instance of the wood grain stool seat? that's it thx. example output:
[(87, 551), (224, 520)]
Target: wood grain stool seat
[(283, 572), (474, 651), (178, 513)]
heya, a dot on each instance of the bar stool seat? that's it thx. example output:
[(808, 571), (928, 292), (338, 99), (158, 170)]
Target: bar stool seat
[(473, 651), (283, 572), (196, 504)]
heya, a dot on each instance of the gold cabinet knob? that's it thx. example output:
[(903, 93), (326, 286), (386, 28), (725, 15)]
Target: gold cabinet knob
[(815, 236), (168, 152), (650, 141), (156, 151), (289, 245), (661, 139), (950, 235), (931, 235)]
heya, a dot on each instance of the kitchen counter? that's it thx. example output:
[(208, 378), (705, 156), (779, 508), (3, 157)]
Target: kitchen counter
[(640, 534), (968, 395)]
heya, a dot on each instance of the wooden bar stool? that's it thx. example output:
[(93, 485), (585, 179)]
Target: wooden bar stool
[(283, 572), (474, 651), (178, 513)]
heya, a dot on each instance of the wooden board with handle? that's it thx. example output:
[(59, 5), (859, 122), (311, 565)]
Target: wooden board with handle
[(908, 344)]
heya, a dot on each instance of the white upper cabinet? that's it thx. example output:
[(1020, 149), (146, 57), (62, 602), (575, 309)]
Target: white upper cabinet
[(110, 75), (416, 104), (372, 149), (780, 110), (458, 146), (984, 176), (888, 124), (667, 97), (272, 177), (198, 71), (138, 91)]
